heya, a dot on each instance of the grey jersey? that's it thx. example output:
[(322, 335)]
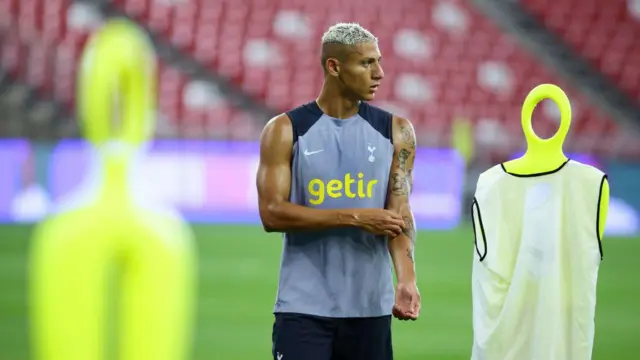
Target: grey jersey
[(338, 163)]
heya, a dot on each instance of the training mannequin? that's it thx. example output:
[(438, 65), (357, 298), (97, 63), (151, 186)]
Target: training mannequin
[(538, 222), (106, 244), (546, 155)]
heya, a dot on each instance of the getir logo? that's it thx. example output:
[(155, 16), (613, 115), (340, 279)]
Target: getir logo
[(337, 188)]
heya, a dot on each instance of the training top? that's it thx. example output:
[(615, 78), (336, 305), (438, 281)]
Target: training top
[(536, 261), (338, 163)]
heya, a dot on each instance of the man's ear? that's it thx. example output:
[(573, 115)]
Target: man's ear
[(333, 66)]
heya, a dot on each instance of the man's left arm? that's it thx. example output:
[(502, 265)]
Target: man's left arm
[(402, 247)]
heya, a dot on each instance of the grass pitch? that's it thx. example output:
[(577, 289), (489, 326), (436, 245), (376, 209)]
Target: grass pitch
[(238, 275)]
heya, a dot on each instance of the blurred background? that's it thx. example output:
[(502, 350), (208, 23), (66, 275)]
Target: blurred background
[(459, 69)]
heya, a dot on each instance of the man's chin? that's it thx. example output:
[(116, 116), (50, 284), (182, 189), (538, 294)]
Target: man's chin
[(369, 97)]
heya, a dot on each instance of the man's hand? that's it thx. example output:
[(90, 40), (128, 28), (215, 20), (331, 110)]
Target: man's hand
[(380, 221), (407, 306)]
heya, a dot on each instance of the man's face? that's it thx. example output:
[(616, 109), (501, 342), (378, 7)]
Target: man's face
[(361, 71)]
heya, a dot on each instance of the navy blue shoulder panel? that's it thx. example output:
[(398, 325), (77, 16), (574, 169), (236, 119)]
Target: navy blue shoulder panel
[(303, 117), (379, 119)]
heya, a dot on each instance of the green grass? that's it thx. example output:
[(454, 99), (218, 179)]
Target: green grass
[(238, 274)]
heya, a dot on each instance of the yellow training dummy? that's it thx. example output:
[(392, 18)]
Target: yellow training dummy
[(545, 155), (106, 228), (538, 223)]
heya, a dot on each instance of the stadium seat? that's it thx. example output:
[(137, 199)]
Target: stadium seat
[(42, 43), (443, 60), (613, 44)]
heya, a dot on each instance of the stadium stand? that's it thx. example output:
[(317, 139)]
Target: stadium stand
[(42, 43), (443, 61), (613, 31)]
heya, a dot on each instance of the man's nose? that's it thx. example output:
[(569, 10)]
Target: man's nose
[(378, 74)]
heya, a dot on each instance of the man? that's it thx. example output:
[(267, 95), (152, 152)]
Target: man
[(335, 178)]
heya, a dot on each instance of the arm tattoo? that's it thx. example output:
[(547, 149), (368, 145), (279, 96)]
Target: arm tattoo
[(410, 231), (402, 183), (403, 156), (409, 228), (399, 186), (408, 137), (402, 179), (410, 254)]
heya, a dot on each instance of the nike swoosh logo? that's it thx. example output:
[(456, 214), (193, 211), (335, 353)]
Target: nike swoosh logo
[(307, 152)]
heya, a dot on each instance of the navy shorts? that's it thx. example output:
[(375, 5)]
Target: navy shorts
[(307, 337)]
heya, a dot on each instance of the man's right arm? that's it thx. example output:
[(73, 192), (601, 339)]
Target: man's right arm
[(278, 214)]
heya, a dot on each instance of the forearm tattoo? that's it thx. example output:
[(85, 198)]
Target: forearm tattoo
[(409, 227), (410, 231)]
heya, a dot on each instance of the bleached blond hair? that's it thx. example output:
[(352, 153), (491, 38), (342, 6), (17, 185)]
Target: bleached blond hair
[(348, 34)]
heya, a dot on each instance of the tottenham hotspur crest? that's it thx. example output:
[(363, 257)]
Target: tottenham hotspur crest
[(371, 150)]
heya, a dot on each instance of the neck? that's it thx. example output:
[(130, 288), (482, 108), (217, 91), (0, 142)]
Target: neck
[(550, 153), (537, 159), (116, 160), (334, 103)]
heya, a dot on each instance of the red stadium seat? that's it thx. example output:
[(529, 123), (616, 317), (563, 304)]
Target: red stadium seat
[(443, 60), (454, 62), (613, 44), (43, 42)]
